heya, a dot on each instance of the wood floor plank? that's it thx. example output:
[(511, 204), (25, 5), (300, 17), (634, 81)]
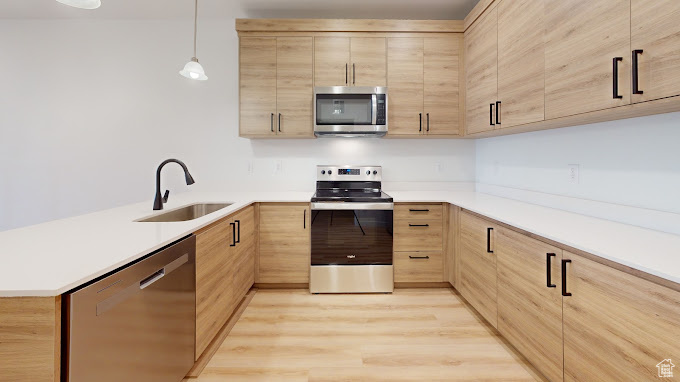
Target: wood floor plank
[(410, 335)]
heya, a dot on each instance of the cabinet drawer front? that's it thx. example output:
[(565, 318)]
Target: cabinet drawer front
[(417, 235), (418, 267), (418, 211)]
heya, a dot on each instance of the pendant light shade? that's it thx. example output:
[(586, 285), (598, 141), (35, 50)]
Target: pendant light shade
[(193, 69), (84, 4)]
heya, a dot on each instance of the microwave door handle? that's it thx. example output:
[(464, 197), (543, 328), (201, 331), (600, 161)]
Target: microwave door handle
[(374, 101)]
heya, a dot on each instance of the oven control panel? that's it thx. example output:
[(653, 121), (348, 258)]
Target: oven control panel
[(349, 173)]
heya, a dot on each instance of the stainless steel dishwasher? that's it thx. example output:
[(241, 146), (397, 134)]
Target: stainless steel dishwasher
[(137, 324)]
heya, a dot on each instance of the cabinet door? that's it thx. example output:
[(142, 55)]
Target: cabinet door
[(294, 86), (368, 58), (244, 268), (214, 292), (521, 62), (405, 81), (582, 39), (257, 62), (655, 27), (481, 73), (478, 265), (284, 243), (529, 311), (441, 81), (617, 327), (331, 61)]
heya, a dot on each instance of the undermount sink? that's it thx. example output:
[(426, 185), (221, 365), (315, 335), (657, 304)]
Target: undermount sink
[(190, 212)]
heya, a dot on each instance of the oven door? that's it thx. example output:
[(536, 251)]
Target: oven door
[(352, 233)]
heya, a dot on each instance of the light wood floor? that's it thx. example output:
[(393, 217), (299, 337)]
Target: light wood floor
[(411, 335)]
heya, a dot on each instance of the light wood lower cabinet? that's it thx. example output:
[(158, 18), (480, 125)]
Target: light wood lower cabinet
[(418, 242), (452, 255), (478, 265), (617, 327), (285, 243), (418, 266), (244, 275), (530, 299), (418, 235)]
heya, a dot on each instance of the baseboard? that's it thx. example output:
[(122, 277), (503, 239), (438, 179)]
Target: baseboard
[(422, 285), (210, 351), (282, 285)]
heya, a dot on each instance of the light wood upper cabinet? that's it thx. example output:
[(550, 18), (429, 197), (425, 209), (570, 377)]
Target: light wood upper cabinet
[(350, 61), (423, 81), (655, 27), (276, 87), (331, 61), (442, 60), (285, 243), (583, 37), (529, 310), (478, 265), (368, 57), (257, 62), (617, 327), (215, 264), (481, 73), (244, 276), (294, 86), (521, 62)]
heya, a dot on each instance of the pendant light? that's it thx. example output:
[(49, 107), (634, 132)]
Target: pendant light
[(193, 69), (84, 4)]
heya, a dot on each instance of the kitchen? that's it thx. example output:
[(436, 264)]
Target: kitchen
[(540, 195)]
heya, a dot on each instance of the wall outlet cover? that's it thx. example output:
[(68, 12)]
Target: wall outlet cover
[(573, 175)]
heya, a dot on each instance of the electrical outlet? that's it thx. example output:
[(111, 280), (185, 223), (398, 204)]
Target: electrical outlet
[(278, 168), (573, 173), (250, 168), (438, 168)]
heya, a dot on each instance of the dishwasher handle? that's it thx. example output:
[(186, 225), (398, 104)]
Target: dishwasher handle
[(152, 279)]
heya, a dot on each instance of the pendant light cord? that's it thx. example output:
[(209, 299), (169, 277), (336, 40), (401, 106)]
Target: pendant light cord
[(195, 25)]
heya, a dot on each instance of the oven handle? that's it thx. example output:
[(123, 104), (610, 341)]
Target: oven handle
[(329, 206)]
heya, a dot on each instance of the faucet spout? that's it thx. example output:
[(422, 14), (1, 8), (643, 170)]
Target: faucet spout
[(159, 200)]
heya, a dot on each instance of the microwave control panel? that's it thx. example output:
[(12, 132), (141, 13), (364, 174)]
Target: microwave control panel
[(381, 118)]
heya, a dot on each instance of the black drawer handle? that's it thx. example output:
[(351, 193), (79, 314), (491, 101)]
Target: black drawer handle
[(548, 270), (491, 115), (233, 236), (418, 225), (415, 210), (636, 67), (488, 240), (564, 278), (419, 257), (238, 231), (615, 61)]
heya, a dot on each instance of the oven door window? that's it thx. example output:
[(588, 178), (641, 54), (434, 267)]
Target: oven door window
[(344, 109), (359, 237)]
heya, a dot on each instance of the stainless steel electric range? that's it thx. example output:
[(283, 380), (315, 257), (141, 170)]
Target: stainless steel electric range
[(351, 232)]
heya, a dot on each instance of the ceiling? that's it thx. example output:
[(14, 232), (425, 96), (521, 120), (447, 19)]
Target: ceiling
[(218, 9)]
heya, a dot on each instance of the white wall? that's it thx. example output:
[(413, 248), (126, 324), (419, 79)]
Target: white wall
[(631, 163), (89, 108)]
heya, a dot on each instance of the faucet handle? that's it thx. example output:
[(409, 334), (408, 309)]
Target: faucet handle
[(165, 197)]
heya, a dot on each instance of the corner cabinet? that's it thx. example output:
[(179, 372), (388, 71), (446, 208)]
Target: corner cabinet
[(276, 87), (423, 79)]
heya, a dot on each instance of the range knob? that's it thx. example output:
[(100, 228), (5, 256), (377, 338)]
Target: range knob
[(323, 172), (330, 172), (368, 172), (375, 172)]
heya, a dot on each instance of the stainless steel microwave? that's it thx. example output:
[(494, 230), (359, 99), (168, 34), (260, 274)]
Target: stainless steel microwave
[(350, 111)]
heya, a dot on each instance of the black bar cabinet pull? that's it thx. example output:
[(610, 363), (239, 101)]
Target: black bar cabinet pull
[(238, 231), (418, 225), (346, 77), (233, 235), (548, 269), (419, 257), (414, 210), (420, 115), (428, 121), (304, 219), (564, 278), (279, 122), (491, 115), (488, 240), (354, 74), (636, 67), (615, 61), (498, 112), (271, 122)]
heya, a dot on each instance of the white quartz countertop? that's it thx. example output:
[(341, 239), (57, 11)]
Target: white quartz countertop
[(52, 258)]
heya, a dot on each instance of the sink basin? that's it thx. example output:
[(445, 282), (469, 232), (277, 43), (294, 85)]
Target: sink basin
[(190, 212)]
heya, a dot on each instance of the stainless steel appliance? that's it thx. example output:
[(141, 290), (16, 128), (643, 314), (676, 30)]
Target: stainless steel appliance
[(352, 222), (350, 111), (136, 324)]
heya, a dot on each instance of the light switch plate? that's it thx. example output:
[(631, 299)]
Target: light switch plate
[(573, 173)]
